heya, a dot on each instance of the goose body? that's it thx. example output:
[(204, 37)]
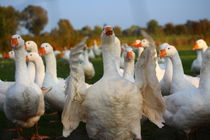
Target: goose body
[(189, 108), (118, 103), (179, 81), (56, 97), (26, 97)]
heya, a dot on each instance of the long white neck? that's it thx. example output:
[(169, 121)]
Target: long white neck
[(178, 71), (40, 73), (110, 62), (168, 71), (129, 70), (205, 75), (51, 67), (199, 54), (21, 72), (31, 71)]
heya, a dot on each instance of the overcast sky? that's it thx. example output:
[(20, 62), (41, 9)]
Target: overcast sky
[(117, 12)]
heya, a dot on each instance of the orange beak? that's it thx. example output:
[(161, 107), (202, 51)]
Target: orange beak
[(27, 59), (42, 51), (129, 55), (136, 44), (196, 47), (162, 53), (122, 49), (14, 42), (108, 31), (6, 56)]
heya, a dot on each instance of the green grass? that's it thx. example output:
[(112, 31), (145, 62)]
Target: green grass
[(54, 130)]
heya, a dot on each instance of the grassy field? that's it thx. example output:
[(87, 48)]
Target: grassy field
[(54, 130)]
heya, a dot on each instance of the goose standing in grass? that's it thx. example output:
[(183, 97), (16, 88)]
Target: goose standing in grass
[(24, 102), (113, 106), (56, 97), (200, 48), (190, 108), (179, 81), (88, 66), (129, 58)]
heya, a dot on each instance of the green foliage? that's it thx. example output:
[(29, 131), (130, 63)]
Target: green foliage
[(34, 19), (9, 21)]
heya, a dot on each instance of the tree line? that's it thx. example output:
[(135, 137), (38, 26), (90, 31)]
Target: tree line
[(35, 18)]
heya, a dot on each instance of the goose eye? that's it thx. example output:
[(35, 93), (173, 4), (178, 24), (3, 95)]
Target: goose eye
[(30, 54), (168, 48), (18, 37)]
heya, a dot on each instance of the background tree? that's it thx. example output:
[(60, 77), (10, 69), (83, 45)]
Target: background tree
[(64, 34), (34, 19), (152, 26), (118, 31), (9, 22)]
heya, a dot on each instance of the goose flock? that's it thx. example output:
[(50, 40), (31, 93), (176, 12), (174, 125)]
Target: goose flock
[(134, 87)]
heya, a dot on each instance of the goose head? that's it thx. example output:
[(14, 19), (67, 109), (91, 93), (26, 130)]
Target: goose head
[(200, 44), (32, 56), (167, 51), (31, 46), (107, 35), (17, 41), (45, 49), (137, 44), (129, 55), (11, 54)]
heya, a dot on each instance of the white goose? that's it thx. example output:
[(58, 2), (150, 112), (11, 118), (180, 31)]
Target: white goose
[(113, 106), (129, 58), (31, 46), (56, 97), (39, 67), (138, 46), (179, 81), (145, 44), (24, 102), (167, 78), (200, 47), (190, 107), (66, 54), (91, 55), (96, 49), (88, 66)]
